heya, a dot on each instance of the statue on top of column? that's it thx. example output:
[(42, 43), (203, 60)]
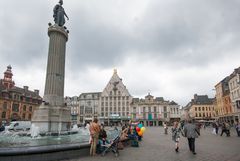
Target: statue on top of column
[(59, 13)]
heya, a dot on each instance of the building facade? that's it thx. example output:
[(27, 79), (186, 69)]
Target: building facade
[(201, 108), (234, 86), (154, 111), (73, 104), (16, 103), (224, 103), (88, 107), (115, 100)]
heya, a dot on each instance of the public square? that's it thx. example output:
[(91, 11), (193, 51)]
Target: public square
[(156, 146)]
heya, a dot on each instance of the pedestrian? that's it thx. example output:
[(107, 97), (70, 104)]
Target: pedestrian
[(228, 127), (216, 127), (176, 130), (224, 129), (238, 128), (191, 132), (94, 133), (165, 128)]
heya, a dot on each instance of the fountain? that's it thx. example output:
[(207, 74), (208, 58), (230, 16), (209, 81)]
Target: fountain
[(50, 136)]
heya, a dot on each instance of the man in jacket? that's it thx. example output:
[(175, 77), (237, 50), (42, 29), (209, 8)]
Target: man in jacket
[(191, 132)]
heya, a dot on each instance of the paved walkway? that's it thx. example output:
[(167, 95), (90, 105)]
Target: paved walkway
[(157, 146)]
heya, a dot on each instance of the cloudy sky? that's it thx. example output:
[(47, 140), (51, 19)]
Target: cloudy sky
[(172, 48)]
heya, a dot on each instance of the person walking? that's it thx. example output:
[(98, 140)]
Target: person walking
[(191, 132), (176, 130), (238, 128), (224, 129), (165, 128), (94, 133)]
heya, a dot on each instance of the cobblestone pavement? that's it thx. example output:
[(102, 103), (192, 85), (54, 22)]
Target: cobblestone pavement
[(157, 146)]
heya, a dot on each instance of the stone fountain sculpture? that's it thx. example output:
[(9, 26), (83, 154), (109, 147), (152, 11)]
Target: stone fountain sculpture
[(53, 116)]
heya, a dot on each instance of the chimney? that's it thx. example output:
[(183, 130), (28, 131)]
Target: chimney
[(36, 91), (25, 88)]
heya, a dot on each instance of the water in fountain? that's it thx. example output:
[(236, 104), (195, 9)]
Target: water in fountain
[(32, 138)]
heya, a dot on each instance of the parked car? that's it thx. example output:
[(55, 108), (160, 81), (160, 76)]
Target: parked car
[(19, 125)]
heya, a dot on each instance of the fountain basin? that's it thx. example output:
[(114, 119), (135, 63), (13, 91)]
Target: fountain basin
[(45, 153)]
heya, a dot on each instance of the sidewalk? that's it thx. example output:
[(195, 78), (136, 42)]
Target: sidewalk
[(156, 146)]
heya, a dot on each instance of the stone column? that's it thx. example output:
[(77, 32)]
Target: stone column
[(53, 116), (54, 86)]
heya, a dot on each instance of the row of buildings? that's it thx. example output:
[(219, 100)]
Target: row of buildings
[(115, 105), (228, 97), (225, 107)]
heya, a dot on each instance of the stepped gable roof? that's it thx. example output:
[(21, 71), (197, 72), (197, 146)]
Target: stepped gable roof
[(115, 83)]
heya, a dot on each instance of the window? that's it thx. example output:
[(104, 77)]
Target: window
[(144, 109), (196, 115), (134, 109), (15, 107), (110, 93), (127, 108), (4, 115), (155, 109), (199, 108), (24, 108), (5, 105), (30, 108), (119, 109), (81, 109), (149, 109), (195, 108), (165, 109), (202, 108), (155, 116), (29, 117)]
